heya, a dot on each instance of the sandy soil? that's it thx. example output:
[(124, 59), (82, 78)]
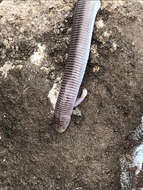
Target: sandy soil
[(34, 40)]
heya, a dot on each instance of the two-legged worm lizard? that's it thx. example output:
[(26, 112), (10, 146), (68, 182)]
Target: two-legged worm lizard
[(82, 29)]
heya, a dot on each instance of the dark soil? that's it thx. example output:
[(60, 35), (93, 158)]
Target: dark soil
[(33, 156)]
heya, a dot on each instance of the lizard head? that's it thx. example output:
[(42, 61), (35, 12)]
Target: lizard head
[(63, 123)]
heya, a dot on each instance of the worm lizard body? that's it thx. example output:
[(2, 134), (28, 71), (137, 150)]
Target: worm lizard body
[(83, 23)]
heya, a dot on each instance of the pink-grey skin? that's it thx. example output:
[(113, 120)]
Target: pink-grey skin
[(82, 29)]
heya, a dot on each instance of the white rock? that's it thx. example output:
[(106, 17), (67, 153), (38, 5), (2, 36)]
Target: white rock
[(100, 24), (54, 92), (5, 69)]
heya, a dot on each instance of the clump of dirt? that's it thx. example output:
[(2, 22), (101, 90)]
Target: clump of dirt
[(35, 36)]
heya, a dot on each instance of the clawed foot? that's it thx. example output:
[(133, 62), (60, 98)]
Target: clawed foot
[(79, 100)]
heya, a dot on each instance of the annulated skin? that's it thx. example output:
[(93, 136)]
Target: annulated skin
[(83, 23)]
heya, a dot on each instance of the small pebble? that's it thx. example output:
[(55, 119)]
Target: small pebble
[(100, 24), (77, 112)]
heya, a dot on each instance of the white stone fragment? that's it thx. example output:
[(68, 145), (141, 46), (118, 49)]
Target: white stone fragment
[(138, 158), (77, 112), (38, 56), (114, 45), (54, 92), (5, 69), (106, 34), (100, 24)]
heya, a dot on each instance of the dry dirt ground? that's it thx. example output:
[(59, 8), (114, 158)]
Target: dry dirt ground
[(34, 39)]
